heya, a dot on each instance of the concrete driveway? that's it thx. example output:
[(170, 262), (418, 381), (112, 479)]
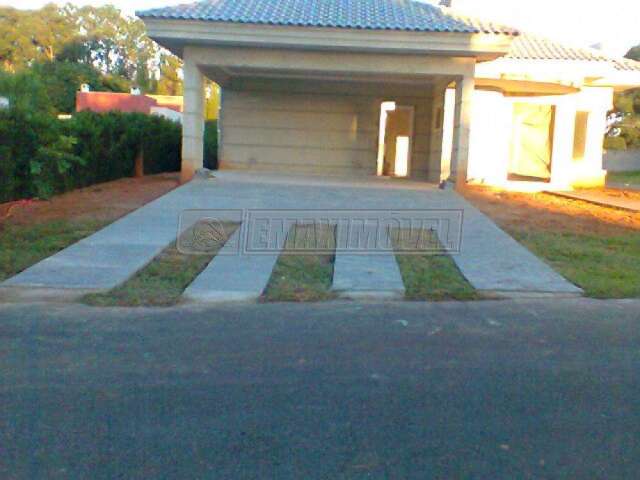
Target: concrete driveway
[(489, 258), (481, 390)]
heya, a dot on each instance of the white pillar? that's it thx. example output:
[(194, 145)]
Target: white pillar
[(562, 170), (434, 168), (462, 129), (192, 118)]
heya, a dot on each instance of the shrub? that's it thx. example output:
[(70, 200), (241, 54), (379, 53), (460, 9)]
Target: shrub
[(111, 142), (35, 155), (615, 143), (50, 156), (211, 144)]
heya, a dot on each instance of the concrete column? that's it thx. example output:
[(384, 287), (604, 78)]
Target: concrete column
[(434, 167), (465, 87), (563, 135), (603, 102), (192, 118)]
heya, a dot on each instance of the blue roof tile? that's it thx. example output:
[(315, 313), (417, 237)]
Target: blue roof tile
[(404, 15)]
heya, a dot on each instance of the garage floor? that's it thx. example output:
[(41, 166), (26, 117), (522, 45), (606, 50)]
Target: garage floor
[(489, 258)]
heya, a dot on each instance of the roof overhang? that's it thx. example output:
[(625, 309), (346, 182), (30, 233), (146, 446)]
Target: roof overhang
[(524, 87), (569, 73), (619, 80), (176, 34)]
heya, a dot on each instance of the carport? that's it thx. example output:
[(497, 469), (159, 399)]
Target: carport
[(319, 87)]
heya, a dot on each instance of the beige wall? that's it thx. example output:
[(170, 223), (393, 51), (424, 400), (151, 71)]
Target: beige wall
[(492, 121), (312, 126)]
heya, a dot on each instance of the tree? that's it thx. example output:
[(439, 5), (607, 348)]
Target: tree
[(25, 91), (114, 44), (634, 53), (26, 36), (63, 79), (170, 82)]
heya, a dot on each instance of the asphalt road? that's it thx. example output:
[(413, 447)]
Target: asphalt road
[(485, 390)]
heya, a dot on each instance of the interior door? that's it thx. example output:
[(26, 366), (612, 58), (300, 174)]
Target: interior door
[(532, 142)]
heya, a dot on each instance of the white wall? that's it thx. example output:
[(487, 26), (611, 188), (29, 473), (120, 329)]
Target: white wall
[(312, 126), (492, 123), (167, 113)]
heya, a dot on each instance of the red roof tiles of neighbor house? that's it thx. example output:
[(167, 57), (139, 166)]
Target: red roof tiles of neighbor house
[(123, 102)]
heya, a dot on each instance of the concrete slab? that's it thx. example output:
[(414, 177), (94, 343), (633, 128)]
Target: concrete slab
[(602, 198), (232, 276), (493, 262), (359, 276)]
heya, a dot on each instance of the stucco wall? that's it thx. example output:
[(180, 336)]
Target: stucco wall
[(492, 123), (313, 126)]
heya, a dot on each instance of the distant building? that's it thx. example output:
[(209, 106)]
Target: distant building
[(127, 102)]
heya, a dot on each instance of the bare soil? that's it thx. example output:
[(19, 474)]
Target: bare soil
[(546, 212), (103, 202)]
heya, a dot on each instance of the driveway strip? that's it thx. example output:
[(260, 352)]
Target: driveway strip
[(232, 275), (360, 276)]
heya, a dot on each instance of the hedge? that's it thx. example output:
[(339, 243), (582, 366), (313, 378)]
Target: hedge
[(41, 155), (615, 143), (211, 144)]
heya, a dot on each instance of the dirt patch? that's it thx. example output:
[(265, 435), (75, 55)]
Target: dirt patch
[(101, 202), (542, 211)]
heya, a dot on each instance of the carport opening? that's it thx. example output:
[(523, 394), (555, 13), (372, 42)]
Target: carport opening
[(395, 140)]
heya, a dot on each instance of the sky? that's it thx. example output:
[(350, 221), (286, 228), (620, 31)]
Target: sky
[(612, 23)]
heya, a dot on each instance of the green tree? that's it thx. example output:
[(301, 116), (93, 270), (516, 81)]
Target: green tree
[(634, 53), (28, 36), (170, 82), (63, 79), (25, 91)]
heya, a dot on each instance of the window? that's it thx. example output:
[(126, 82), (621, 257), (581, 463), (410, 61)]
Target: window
[(580, 135)]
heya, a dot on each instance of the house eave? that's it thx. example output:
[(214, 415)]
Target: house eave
[(176, 34)]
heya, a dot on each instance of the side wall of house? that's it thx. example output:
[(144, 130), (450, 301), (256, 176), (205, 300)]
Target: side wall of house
[(576, 161), (311, 126)]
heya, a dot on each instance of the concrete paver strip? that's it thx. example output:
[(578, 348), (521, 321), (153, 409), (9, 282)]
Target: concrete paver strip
[(494, 262), (232, 275), (603, 199), (366, 276), (112, 255)]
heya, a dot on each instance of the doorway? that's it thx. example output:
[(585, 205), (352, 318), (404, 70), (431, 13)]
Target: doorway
[(531, 142), (395, 142)]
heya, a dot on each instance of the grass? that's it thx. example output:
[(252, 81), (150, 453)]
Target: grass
[(24, 245), (630, 178), (304, 277), (160, 283), (429, 276), (603, 266)]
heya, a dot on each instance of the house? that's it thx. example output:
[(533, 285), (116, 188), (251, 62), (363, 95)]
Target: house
[(399, 88), (125, 102)]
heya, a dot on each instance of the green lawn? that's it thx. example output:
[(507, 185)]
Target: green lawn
[(627, 178), (603, 266), (23, 245), (303, 277), (160, 283), (429, 276)]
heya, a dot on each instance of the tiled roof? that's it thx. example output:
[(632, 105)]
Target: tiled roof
[(407, 15), (532, 47)]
